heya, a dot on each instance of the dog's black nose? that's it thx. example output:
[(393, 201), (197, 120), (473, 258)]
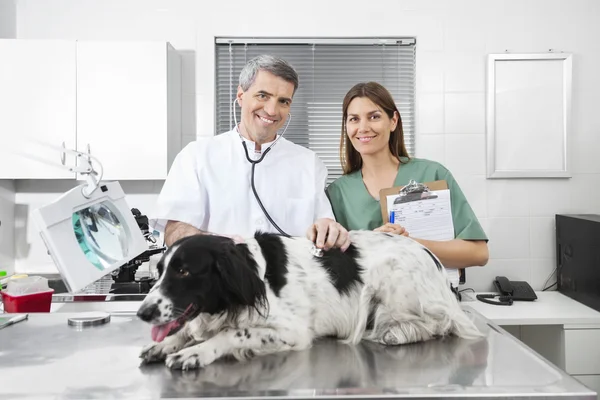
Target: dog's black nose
[(148, 312)]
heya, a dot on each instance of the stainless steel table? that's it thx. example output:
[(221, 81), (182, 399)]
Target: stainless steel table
[(44, 357)]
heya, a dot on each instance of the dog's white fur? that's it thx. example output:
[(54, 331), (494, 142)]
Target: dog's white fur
[(412, 297)]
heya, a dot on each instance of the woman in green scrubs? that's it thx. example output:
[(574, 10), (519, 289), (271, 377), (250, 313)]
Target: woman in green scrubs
[(374, 157)]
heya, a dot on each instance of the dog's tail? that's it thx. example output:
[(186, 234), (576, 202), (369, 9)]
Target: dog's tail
[(462, 326), (460, 323)]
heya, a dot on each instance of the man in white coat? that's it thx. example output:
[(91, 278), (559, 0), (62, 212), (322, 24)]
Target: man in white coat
[(209, 187)]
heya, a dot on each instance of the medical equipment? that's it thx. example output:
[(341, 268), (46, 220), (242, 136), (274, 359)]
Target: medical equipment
[(89, 231), (254, 162)]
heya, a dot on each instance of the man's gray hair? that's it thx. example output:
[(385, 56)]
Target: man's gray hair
[(276, 66)]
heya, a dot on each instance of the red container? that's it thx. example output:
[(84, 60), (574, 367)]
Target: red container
[(34, 302)]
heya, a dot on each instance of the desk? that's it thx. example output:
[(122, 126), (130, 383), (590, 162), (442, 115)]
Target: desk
[(564, 331)]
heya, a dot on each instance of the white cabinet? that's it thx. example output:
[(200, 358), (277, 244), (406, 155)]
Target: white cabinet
[(582, 354), (128, 107), (37, 107), (119, 100)]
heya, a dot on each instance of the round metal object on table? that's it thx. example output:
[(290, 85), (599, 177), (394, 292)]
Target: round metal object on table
[(85, 320)]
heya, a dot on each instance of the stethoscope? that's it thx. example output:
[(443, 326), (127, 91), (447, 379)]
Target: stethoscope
[(254, 162)]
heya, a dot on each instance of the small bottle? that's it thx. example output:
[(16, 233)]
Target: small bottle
[(3, 279)]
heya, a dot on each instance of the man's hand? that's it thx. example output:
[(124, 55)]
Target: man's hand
[(327, 234), (392, 228)]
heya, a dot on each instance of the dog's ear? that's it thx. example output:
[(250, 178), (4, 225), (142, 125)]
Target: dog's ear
[(244, 288)]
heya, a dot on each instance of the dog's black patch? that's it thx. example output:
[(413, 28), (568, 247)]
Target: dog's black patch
[(342, 267), (435, 260), (213, 275), (276, 258)]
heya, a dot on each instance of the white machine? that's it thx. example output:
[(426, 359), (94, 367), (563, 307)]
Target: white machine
[(89, 231)]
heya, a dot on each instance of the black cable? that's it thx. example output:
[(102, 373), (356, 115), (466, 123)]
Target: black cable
[(502, 300), (548, 278), (548, 287), (254, 188)]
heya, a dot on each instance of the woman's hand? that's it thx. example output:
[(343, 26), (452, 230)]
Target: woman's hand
[(392, 228)]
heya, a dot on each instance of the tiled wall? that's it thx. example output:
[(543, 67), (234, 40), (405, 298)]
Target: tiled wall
[(453, 38)]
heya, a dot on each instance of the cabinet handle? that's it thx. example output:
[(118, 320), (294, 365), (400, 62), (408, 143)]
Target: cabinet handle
[(63, 154)]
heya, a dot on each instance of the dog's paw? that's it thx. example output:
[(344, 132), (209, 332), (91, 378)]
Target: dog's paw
[(155, 352), (191, 358), (391, 338)]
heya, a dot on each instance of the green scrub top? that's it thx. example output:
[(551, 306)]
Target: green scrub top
[(356, 209)]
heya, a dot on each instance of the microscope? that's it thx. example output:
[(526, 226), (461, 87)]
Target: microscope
[(124, 281)]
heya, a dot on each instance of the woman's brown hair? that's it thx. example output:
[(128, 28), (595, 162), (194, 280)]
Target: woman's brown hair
[(349, 157)]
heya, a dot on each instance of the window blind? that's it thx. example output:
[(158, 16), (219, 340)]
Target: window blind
[(327, 69)]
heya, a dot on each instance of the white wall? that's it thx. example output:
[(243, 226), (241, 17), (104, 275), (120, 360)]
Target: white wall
[(453, 38), (8, 19)]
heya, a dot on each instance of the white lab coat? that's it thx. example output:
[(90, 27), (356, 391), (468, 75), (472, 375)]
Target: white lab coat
[(208, 187)]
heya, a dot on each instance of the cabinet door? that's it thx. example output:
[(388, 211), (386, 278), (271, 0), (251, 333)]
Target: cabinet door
[(122, 107), (37, 108)]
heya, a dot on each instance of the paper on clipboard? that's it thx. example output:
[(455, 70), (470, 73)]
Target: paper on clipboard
[(441, 203)]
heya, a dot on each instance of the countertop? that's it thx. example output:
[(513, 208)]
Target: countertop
[(43, 357), (551, 308)]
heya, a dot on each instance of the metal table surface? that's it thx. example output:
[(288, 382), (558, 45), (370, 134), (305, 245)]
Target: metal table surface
[(43, 358)]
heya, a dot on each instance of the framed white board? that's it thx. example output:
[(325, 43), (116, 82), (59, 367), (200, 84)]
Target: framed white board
[(528, 115)]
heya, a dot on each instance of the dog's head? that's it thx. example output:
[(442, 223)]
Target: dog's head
[(201, 274)]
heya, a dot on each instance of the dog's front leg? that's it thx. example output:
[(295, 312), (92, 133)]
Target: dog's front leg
[(241, 343), (159, 351)]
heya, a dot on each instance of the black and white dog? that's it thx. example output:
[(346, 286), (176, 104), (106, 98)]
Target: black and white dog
[(217, 298)]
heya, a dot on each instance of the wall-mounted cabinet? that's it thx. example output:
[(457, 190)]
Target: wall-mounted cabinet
[(37, 108), (121, 101)]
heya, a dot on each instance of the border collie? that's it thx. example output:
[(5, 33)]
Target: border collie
[(217, 298)]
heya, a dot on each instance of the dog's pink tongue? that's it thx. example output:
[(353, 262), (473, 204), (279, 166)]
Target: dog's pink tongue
[(160, 332)]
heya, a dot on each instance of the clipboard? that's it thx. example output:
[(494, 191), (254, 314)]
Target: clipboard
[(384, 193), (416, 192)]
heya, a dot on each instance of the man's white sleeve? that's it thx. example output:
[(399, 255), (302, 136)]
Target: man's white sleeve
[(322, 205), (183, 197)]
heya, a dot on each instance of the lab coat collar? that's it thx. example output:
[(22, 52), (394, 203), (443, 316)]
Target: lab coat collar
[(252, 145)]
